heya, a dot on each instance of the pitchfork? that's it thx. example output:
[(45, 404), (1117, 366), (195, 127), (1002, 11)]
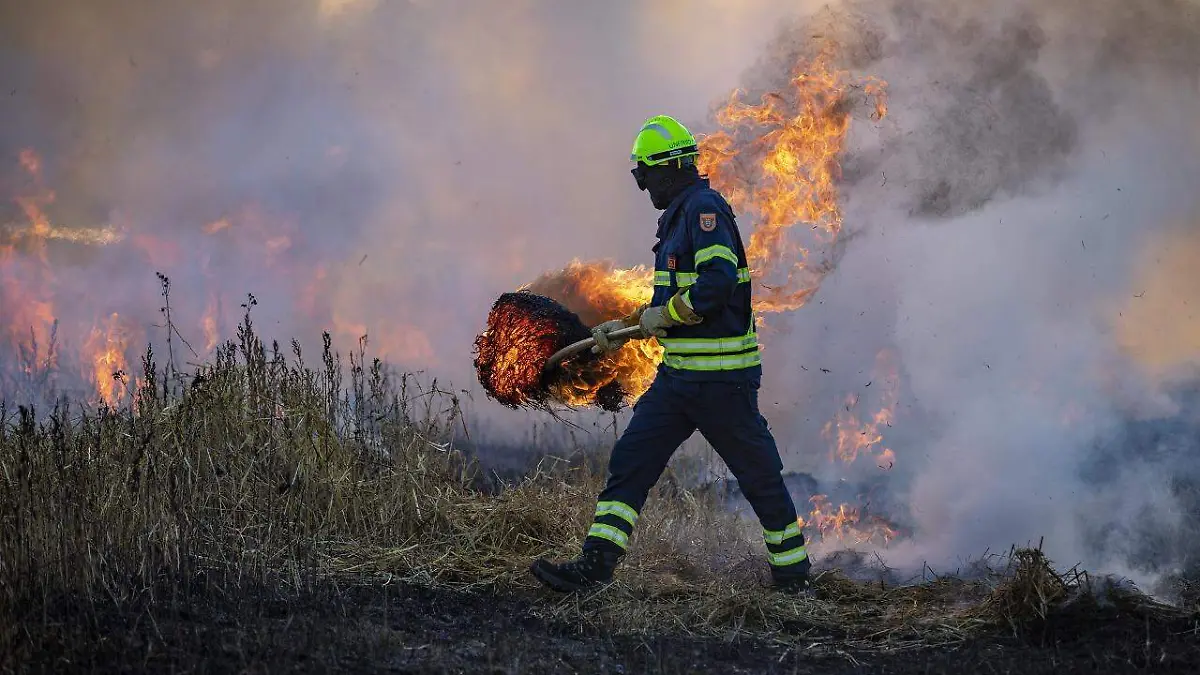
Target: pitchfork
[(570, 350)]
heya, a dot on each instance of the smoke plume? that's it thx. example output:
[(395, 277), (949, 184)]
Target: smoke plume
[(1018, 246)]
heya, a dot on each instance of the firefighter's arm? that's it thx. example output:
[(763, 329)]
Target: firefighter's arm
[(715, 263)]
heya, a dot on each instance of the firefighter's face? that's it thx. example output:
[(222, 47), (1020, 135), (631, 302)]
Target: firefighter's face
[(657, 180), (639, 175)]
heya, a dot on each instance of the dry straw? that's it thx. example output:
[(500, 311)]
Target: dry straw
[(263, 469)]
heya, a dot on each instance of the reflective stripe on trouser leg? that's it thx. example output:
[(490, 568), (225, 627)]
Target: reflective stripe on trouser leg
[(659, 424), (730, 419), (785, 547), (613, 523)]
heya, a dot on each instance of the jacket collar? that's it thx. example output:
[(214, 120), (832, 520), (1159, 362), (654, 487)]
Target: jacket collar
[(668, 214)]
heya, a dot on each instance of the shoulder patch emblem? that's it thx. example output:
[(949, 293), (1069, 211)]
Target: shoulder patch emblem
[(671, 262), (708, 222)]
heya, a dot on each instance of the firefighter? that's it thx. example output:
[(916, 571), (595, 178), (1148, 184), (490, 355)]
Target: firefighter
[(709, 376)]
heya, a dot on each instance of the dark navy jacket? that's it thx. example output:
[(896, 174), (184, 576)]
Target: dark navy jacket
[(700, 250)]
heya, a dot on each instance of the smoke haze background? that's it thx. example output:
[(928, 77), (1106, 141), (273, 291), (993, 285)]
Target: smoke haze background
[(1024, 221), (1037, 166), (463, 147)]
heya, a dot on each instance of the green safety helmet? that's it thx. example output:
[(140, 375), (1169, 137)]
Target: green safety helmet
[(662, 139)]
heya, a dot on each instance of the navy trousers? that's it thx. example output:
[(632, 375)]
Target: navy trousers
[(727, 415)]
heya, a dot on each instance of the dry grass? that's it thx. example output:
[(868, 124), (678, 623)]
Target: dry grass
[(260, 470)]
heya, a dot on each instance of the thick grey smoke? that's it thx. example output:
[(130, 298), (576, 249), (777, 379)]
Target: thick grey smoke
[(988, 120), (1036, 157)]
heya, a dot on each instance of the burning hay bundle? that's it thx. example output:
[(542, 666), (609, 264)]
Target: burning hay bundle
[(524, 331)]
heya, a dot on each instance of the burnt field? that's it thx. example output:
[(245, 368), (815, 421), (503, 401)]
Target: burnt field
[(262, 514), (399, 628)]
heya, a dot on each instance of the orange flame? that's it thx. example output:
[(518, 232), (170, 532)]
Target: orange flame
[(848, 524), (208, 322), (30, 318), (35, 339), (778, 162), (598, 292), (26, 281), (28, 287), (850, 437), (105, 348)]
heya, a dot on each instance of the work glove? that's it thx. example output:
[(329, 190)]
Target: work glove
[(607, 344), (656, 320)]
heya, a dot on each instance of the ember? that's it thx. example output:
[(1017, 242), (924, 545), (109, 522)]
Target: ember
[(523, 331)]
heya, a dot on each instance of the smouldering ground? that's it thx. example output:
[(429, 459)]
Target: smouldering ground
[(263, 516), (398, 628)]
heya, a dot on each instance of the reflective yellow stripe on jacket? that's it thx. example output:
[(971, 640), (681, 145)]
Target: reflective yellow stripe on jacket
[(724, 345), (710, 354), (713, 363), (685, 279), (716, 251)]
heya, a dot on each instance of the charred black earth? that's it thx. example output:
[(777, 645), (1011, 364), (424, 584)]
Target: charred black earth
[(396, 628)]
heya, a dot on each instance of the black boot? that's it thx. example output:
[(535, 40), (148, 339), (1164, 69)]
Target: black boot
[(793, 579), (792, 584), (594, 567)]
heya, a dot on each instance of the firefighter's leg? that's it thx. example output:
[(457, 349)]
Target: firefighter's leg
[(660, 423), (729, 418)]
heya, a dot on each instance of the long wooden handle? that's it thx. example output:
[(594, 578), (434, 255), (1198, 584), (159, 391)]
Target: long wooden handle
[(583, 345)]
